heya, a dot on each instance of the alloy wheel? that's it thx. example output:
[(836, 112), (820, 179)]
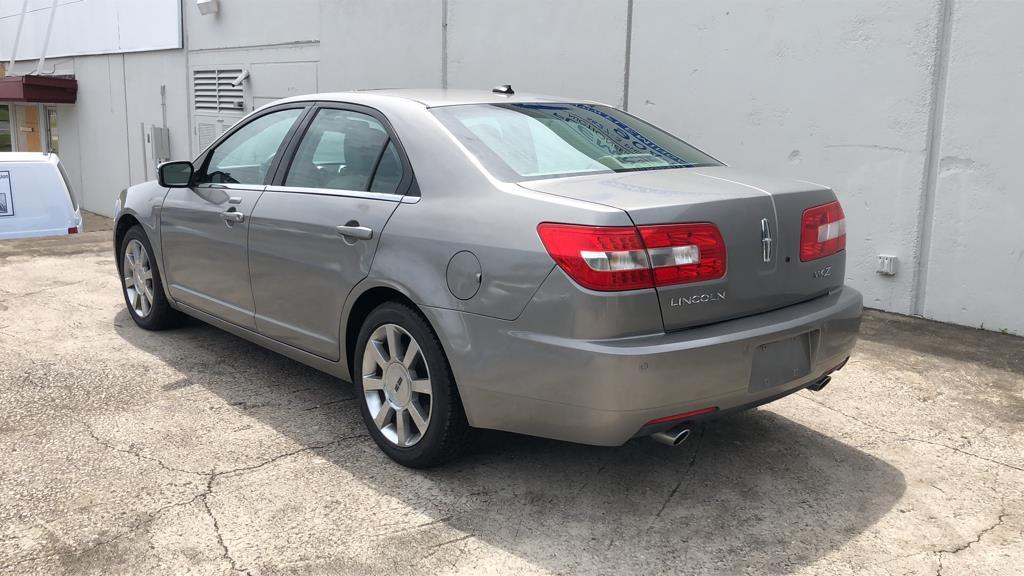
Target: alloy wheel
[(396, 385), (138, 278)]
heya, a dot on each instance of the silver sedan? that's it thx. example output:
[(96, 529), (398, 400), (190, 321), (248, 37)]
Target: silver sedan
[(490, 260)]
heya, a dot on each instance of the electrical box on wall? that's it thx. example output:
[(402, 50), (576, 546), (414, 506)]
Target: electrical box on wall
[(161, 138), (208, 6), (886, 265), (156, 148)]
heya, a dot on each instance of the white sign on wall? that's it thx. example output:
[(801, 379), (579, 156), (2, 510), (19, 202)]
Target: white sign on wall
[(6, 194), (90, 27)]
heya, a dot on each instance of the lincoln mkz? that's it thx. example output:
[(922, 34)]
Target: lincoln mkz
[(481, 259)]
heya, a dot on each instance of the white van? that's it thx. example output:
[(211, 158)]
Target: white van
[(35, 197)]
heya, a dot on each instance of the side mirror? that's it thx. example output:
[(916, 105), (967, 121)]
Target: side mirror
[(175, 174)]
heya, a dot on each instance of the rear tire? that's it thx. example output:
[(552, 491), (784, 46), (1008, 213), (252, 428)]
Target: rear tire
[(407, 393), (141, 285)]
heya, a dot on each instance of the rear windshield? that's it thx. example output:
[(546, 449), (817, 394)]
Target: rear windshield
[(530, 141)]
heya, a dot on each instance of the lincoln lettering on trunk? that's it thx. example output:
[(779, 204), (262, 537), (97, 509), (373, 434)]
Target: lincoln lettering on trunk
[(698, 298)]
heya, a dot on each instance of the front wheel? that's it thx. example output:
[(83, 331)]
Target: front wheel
[(410, 403), (140, 283)]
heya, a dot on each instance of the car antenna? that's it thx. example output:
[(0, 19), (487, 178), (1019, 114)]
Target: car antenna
[(505, 89)]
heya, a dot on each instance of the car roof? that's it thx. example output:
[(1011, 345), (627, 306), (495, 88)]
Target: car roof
[(27, 157), (433, 97)]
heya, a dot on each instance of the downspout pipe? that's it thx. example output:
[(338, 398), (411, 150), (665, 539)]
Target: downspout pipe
[(17, 37), (46, 39)]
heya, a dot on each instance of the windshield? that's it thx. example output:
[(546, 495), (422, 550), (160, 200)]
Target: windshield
[(530, 141)]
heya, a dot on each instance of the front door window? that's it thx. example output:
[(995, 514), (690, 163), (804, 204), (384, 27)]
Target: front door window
[(245, 156), (340, 151)]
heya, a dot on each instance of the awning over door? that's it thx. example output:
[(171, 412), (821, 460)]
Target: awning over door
[(38, 89)]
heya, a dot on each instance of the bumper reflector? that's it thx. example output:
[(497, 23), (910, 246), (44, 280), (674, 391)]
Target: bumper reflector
[(683, 416)]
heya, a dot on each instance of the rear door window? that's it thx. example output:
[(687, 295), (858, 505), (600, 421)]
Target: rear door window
[(340, 150), (389, 171)]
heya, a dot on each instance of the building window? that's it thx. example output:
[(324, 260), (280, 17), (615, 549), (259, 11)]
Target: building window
[(5, 129), (52, 131)]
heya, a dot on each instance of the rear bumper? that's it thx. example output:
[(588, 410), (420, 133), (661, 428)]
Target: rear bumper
[(603, 392), (35, 233)]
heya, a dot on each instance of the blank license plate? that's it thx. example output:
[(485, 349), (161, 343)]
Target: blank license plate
[(780, 362)]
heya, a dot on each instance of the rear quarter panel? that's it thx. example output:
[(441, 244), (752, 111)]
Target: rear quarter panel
[(461, 208)]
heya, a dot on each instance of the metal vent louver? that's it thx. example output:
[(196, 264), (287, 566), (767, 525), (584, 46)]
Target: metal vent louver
[(207, 134), (213, 92)]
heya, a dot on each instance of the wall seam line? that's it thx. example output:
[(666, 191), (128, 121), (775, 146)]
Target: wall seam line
[(78, 137), (931, 177), (189, 89), (444, 44), (629, 54), (127, 128), (253, 47)]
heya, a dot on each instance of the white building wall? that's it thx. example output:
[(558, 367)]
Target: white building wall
[(380, 44), (101, 136), (909, 109), (82, 27), (102, 123), (146, 73), (975, 264), (241, 23), (833, 92), (573, 49)]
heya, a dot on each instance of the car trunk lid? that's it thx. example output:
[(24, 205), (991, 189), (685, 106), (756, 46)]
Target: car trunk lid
[(759, 218)]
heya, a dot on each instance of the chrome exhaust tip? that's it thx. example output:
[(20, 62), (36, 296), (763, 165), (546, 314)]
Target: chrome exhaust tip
[(818, 385), (672, 437)]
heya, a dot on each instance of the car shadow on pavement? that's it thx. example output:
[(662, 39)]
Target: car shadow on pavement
[(752, 492)]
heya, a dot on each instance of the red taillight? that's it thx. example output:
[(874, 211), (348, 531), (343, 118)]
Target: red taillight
[(628, 258), (73, 230), (822, 231), (683, 253), (599, 257)]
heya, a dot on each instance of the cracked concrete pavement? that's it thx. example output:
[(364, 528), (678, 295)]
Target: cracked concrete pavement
[(195, 452)]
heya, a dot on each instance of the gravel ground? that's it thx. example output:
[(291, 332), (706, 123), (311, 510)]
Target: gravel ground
[(195, 452)]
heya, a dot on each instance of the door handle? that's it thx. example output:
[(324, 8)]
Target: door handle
[(355, 231), (231, 216)]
